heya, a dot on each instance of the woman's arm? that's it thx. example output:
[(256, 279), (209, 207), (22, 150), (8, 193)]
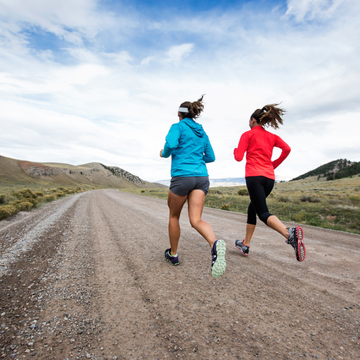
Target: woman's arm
[(242, 147), (280, 143), (172, 140), (209, 155)]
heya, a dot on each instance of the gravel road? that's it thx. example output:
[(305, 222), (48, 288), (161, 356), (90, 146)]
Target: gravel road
[(85, 278)]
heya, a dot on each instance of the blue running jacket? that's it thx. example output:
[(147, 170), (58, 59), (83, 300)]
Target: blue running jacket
[(189, 147)]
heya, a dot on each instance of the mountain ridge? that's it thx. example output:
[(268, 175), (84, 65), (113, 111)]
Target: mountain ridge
[(90, 175)]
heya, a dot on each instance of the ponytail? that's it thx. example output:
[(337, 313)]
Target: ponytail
[(194, 108), (269, 115)]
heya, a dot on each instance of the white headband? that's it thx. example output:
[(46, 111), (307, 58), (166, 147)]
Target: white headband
[(183, 110)]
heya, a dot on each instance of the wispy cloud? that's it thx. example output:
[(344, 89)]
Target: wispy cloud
[(313, 9)]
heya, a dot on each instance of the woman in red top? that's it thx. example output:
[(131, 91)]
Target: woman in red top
[(260, 177)]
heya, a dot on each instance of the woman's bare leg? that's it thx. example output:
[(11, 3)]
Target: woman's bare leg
[(175, 204), (196, 201), (249, 234), (277, 225)]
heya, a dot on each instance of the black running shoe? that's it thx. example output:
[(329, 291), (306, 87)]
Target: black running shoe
[(295, 239), (172, 259), (218, 264), (243, 248)]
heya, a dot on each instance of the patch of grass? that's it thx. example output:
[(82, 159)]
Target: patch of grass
[(325, 204), (355, 199)]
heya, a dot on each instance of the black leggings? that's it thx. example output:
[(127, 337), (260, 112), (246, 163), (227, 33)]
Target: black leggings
[(259, 188)]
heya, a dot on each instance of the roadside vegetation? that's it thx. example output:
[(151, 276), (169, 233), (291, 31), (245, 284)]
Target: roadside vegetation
[(15, 199), (327, 204)]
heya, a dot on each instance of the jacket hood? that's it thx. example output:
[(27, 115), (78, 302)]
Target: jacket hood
[(194, 126)]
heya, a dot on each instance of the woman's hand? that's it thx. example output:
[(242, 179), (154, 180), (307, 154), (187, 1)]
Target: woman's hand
[(161, 152)]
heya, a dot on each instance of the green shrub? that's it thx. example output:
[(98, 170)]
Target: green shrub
[(33, 201), (309, 199), (283, 199), (49, 198), (24, 206), (7, 210), (142, 191), (243, 192), (225, 207), (39, 193), (2, 199), (66, 191), (59, 194), (25, 193)]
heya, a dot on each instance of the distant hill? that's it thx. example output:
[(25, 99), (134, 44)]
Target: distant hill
[(18, 172), (336, 169)]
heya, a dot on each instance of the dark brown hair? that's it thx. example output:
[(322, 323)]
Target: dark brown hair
[(269, 115), (195, 108)]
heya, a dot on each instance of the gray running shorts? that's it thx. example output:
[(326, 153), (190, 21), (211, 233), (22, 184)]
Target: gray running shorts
[(184, 185)]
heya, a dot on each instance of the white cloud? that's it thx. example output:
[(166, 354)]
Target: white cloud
[(91, 101), (54, 16), (312, 9), (177, 53)]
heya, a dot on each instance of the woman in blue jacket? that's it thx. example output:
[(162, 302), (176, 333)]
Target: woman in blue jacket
[(190, 150)]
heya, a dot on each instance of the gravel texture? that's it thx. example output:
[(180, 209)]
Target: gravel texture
[(85, 278)]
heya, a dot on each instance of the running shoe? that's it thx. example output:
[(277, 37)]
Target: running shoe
[(218, 263), (172, 259), (243, 248), (295, 239)]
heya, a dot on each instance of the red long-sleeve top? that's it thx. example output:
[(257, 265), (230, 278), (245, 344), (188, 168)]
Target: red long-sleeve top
[(258, 145)]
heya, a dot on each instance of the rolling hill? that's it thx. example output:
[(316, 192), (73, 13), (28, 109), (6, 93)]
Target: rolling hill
[(335, 169), (96, 175)]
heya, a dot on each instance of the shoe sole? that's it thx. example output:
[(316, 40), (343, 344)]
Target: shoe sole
[(175, 264), (220, 263), (241, 250), (301, 250)]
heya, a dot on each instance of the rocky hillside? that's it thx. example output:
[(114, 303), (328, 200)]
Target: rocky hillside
[(97, 175)]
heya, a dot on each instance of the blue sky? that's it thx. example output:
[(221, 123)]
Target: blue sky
[(87, 80)]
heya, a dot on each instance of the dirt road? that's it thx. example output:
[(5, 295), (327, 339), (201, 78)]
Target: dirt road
[(85, 277)]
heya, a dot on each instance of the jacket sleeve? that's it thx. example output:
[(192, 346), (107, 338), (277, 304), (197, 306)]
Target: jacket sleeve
[(209, 155), (242, 147), (171, 140), (280, 143)]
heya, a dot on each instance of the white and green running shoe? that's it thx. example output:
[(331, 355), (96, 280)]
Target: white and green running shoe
[(218, 264)]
